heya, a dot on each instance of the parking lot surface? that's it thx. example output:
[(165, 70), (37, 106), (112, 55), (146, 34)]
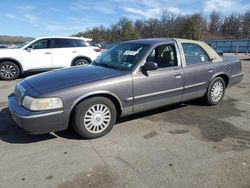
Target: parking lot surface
[(185, 145)]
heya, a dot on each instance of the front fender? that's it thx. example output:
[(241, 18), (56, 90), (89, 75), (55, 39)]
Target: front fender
[(101, 92)]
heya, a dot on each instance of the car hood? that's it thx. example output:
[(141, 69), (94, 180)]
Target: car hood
[(69, 77), (8, 52)]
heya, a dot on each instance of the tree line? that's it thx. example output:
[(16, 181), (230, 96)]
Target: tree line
[(195, 26)]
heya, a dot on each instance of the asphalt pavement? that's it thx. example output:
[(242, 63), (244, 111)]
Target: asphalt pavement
[(185, 145)]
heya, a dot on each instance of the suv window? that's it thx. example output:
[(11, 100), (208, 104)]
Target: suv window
[(194, 54), (164, 56), (63, 43), (80, 43), (41, 44)]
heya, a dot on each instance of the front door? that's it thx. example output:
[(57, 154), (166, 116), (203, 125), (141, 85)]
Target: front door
[(162, 86), (37, 56)]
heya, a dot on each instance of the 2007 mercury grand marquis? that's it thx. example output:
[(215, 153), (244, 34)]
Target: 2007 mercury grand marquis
[(131, 77)]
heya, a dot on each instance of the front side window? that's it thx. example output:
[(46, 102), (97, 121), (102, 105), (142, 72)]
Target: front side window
[(123, 56), (63, 43), (41, 44), (164, 56), (194, 54)]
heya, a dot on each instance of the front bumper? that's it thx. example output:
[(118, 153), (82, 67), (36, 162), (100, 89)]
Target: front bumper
[(37, 122)]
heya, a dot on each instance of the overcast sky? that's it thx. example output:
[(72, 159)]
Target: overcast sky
[(65, 17)]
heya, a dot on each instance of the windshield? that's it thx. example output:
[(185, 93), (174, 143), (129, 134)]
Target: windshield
[(23, 44), (123, 56)]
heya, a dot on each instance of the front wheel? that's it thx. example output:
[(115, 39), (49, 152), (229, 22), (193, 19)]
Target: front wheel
[(9, 71), (94, 117), (216, 91)]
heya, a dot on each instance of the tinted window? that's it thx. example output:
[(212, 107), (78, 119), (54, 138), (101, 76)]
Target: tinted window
[(80, 43), (41, 44), (164, 56), (194, 54), (63, 43)]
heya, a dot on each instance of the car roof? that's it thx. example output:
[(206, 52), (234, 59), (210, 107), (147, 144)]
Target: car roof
[(151, 41), (154, 41), (61, 37)]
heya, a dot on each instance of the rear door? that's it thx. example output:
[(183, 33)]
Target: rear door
[(198, 71), (38, 55), (162, 86), (64, 51)]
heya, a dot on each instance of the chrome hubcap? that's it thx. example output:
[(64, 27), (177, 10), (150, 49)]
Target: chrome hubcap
[(8, 71), (97, 118), (217, 91)]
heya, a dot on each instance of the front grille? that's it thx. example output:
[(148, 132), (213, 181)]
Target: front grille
[(18, 96)]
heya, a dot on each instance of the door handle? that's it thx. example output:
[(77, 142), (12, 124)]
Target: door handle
[(74, 51), (210, 69), (178, 75), (47, 53)]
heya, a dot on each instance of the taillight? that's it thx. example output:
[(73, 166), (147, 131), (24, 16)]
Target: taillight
[(97, 49)]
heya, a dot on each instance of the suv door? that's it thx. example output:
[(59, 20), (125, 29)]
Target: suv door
[(162, 86), (64, 52), (198, 71), (38, 55)]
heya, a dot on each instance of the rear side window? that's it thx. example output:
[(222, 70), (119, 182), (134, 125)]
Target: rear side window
[(80, 43), (63, 43), (194, 54)]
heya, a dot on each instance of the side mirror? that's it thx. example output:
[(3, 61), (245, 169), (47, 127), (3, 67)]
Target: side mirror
[(149, 65), (29, 48)]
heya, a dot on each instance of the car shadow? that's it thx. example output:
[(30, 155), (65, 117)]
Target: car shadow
[(11, 133)]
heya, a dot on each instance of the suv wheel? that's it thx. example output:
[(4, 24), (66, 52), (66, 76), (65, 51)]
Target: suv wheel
[(79, 62), (94, 117), (9, 71), (216, 91)]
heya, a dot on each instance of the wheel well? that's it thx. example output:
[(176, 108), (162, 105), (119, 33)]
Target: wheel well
[(225, 78), (110, 97), (13, 61), (80, 57)]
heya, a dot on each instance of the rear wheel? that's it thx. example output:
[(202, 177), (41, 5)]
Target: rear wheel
[(81, 61), (94, 117), (9, 71), (216, 91)]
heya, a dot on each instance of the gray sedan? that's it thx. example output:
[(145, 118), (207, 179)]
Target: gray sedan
[(131, 77)]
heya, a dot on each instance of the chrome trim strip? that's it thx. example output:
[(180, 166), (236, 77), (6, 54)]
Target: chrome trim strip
[(99, 92), (156, 93), (39, 115), (194, 85), (239, 74)]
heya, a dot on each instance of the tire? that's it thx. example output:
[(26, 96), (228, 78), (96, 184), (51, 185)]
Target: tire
[(9, 71), (216, 91), (89, 122), (81, 62)]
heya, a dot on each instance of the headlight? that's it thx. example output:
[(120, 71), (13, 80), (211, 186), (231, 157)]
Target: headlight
[(36, 104)]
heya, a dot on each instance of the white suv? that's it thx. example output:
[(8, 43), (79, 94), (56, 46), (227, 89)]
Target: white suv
[(46, 53)]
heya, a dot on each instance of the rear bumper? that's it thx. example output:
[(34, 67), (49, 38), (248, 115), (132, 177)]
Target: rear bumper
[(235, 79), (37, 122)]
